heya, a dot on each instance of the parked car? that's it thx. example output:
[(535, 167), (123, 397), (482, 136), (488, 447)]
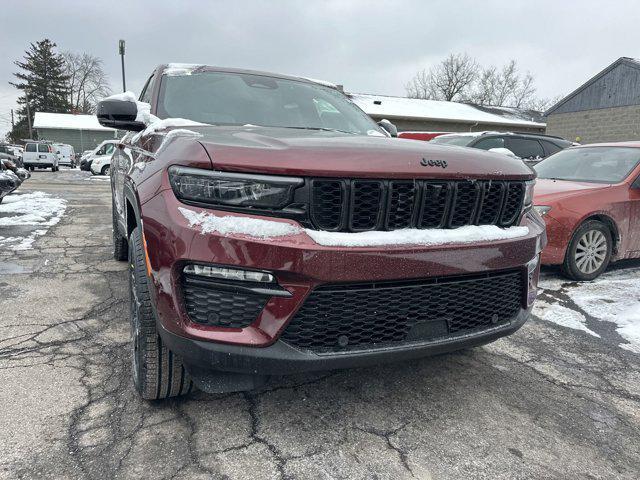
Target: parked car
[(531, 147), (8, 181), (7, 152), (100, 161), (425, 136), (67, 156), (21, 173), (40, 155), (286, 232), (589, 197)]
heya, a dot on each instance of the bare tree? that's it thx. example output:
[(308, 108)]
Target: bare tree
[(450, 80), (88, 83), (460, 78)]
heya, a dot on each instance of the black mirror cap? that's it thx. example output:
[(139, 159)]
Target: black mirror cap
[(120, 115), (389, 127)]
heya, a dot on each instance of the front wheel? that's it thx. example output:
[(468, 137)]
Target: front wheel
[(589, 251), (120, 243), (158, 373), (105, 170)]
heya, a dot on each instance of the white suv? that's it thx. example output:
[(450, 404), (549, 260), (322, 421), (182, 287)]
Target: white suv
[(40, 155), (101, 161)]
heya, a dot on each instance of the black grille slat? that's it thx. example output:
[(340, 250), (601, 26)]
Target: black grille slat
[(514, 198), (327, 203), (402, 205), (491, 203), (221, 308), (364, 205), (336, 318), (434, 204), (464, 204)]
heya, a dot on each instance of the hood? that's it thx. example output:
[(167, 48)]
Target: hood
[(303, 152), (547, 191)]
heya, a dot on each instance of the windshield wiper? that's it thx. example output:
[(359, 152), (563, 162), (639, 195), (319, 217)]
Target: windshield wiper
[(323, 129)]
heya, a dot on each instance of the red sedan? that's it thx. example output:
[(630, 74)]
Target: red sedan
[(589, 197)]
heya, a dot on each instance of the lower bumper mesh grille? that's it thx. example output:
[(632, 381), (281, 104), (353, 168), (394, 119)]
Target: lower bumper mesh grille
[(351, 317), (221, 308)]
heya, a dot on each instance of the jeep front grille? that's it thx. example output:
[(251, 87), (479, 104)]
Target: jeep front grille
[(360, 205)]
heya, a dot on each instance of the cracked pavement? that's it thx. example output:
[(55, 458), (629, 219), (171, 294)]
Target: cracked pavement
[(547, 402)]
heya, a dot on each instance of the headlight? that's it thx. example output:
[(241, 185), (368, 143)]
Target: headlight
[(232, 189), (528, 193), (542, 209)]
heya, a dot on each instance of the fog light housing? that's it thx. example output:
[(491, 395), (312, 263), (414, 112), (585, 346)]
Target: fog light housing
[(533, 274), (226, 273)]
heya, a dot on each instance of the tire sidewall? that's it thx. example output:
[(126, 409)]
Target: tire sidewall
[(570, 265)]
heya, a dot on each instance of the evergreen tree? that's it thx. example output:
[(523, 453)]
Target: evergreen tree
[(44, 83)]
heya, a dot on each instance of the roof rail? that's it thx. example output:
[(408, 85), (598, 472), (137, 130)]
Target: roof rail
[(540, 135)]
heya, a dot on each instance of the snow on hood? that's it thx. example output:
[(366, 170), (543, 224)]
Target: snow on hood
[(157, 125), (263, 229)]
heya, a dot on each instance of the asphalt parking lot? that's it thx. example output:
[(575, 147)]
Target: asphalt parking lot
[(559, 399)]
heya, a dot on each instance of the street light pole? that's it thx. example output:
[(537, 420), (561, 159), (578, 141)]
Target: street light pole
[(121, 50)]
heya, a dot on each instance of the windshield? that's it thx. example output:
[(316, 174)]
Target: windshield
[(219, 98), (590, 164), (459, 140)]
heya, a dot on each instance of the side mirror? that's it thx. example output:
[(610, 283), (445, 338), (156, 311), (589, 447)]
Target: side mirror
[(636, 183), (389, 127), (119, 114)]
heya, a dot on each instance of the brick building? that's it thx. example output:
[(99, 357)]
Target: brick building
[(604, 109)]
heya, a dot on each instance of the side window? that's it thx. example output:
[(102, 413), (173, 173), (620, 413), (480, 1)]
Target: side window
[(108, 149), (43, 148), (31, 147), (525, 147), (551, 148), (489, 143), (147, 90)]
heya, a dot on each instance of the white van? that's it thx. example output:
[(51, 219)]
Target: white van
[(66, 154), (40, 155)]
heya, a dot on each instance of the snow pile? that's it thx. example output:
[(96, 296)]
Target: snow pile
[(628, 322), (180, 69), (29, 209), (156, 125), (268, 228), (467, 234), (144, 109), (253, 227)]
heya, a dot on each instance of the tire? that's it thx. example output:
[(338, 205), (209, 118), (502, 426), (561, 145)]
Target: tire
[(589, 251), (105, 170), (158, 373), (120, 243), (53, 169)]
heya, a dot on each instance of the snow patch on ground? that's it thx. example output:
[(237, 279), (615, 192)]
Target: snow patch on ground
[(29, 209), (468, 234), (253, 227), (563, 316), (614, 298)]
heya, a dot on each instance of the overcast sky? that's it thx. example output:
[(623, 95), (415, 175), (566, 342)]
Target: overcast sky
[(369, 46)]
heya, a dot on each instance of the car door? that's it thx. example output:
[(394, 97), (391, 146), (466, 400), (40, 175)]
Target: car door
[(634, 217)]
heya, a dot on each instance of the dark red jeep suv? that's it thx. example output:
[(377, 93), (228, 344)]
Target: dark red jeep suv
[(272, 227)]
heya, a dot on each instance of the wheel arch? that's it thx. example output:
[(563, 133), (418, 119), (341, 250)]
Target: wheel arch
[(610, 223)]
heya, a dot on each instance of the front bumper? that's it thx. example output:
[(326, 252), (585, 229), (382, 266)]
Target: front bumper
[(282, 359), (300, 266)]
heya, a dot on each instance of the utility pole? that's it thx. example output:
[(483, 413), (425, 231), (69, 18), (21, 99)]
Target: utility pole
[(121, 50), (26, 96), (13, 126)]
